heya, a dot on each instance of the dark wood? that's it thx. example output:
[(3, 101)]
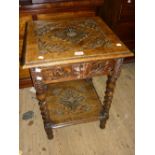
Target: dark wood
[(72, 102), (25, 82), (111, 82), (68, 41), (41, 96), (76, 71), (61, 6), (118, 14), (66, 50), (54, 9), (120, 17)]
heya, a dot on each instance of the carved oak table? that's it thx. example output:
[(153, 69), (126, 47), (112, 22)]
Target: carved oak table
[(63, 56)]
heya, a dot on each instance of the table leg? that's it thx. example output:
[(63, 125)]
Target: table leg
[(110, 86), (45, 117), (41, 96)]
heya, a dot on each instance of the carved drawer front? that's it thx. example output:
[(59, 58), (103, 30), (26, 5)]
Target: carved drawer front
[(76, 71), (98, 68), (63, 73)]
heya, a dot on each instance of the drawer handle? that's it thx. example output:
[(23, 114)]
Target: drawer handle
[(129, 1)]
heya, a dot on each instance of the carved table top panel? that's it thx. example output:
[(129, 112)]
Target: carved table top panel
[(75, 40)]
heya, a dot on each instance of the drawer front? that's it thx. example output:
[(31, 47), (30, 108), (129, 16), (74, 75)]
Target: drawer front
[(98, 68), (76, 71)]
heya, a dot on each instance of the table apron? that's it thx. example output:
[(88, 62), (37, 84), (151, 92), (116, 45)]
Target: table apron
[(76, 71)]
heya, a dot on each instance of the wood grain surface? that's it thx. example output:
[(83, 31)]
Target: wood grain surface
[(54, 42), (72, 102), (76, 71), (84, 139), (63, 6)]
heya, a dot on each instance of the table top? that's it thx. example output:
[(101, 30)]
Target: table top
[(53, 42)]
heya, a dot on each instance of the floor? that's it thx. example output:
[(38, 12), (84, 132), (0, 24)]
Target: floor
[(83, 139)]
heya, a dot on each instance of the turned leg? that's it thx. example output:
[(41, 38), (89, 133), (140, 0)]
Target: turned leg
[(41, 96), (45, 117), (110, 86)]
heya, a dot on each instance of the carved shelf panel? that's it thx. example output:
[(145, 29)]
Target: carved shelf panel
[(72, 102)]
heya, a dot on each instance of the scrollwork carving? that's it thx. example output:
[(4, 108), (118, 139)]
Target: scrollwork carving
[(77, 71), (65, 36), (100, 67), (57, 72), (71, 98)]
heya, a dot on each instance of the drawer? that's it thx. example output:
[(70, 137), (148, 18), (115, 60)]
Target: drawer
[(98, 68), (76, 71)]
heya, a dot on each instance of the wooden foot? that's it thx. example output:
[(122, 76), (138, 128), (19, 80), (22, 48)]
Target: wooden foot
[(103, 120), (110, 86), (46, 120), (49, 133)]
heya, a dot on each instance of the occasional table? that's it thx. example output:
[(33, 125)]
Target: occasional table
[(63, 56)]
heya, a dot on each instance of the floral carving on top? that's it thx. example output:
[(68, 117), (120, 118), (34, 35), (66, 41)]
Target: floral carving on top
[(71, 98), (69, 35)]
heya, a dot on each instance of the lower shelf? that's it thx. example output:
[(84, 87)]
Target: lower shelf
[(72, 102)]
